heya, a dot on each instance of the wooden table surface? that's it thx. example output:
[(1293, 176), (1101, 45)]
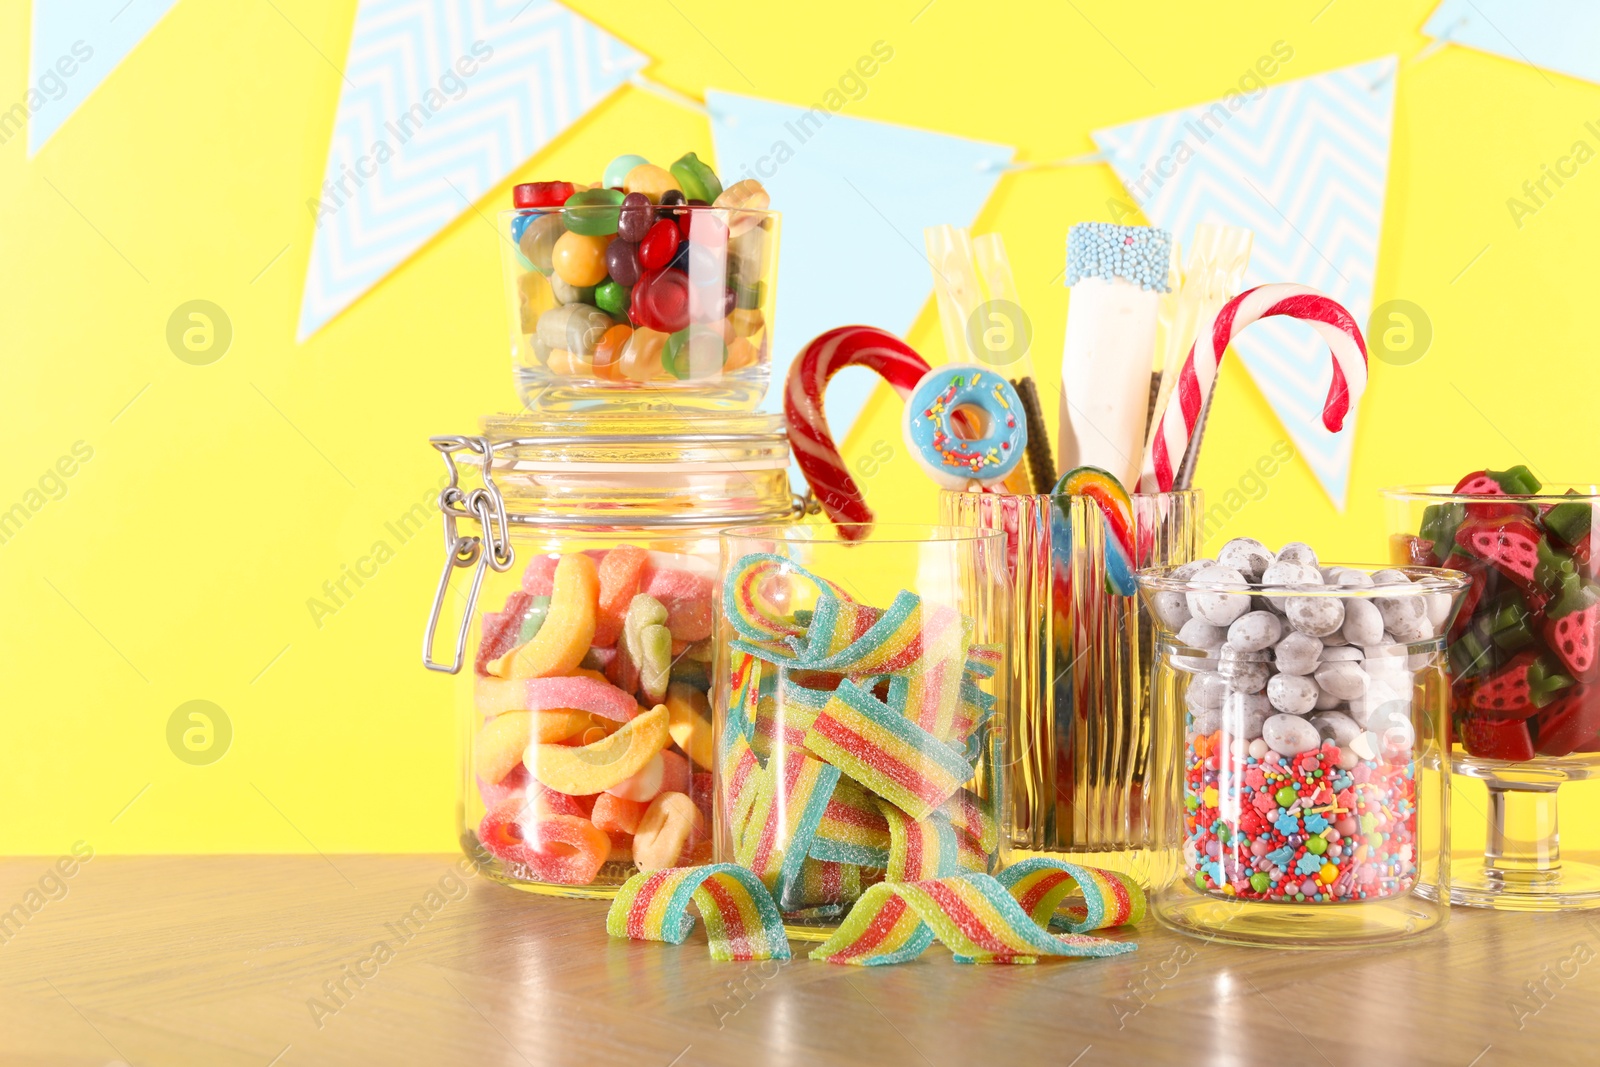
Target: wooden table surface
[(222, 961)]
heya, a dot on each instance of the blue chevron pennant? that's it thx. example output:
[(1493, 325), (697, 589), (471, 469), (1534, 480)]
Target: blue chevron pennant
[(1559, 35), (75, 47), (1303, 164), (442, 99)]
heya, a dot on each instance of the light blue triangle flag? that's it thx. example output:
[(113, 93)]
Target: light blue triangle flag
[(1303, 164), (1559, 35), (442, 100), (75, 47), (855, 196)]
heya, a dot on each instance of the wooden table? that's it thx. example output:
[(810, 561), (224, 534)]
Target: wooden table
[(222, 961)]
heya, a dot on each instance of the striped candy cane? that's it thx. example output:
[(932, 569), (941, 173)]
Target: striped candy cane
[(1199, 374), (814, 450)]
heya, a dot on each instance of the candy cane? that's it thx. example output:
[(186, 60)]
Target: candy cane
[(1199, 374), (814, 450)]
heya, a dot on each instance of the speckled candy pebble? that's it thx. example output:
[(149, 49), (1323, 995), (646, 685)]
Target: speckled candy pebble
[(1297, 653), (1343, 681), (1206, 692), (1335, 726), (1292, 694), (1247, 556), (1218, 608), (1244, 715), (1289, 735), (1363, 623), (1297, 552), (1136, 254), (1255, 631), (1171, 608), (1245, 672), (1197, 633), (1315, 616)]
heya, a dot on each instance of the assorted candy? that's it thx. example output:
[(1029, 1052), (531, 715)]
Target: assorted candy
[(852, 740), (1525, 647), (1299, 775), (656, 275), (594, 751)]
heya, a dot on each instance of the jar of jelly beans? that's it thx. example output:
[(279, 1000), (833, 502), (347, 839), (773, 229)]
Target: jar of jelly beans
[(585, 551), (665, 305)]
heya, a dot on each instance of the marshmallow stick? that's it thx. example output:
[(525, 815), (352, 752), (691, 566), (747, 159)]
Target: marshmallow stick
[(994, 268), (955, 286), (1117, 275)]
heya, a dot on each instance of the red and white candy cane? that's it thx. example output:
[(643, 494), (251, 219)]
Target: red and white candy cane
[(1199, 374), (814, 450)]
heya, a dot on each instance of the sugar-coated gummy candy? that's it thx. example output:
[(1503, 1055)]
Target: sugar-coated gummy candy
[(635, 217), (1247, 556), (1218, 608), (580, 259), (541, 194), (651, 180), (561, 849), (744, 199), (1290, 735), (676, 777), (698, 181), (619, 572), (644, 783), (538, 578), (592, 212), (1255, 631), (575, 328), (499, 744), (596, 767), (1292, 694), (655, 665), (615, 815), (665, 830), (616, 172), (1316, 616), (661, 301), (568, 629), (578, 692), (1297, 653), (622, 263), (1363, 623)]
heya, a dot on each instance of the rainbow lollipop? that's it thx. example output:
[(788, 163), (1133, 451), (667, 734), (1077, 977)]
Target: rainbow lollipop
[(1117, 508)]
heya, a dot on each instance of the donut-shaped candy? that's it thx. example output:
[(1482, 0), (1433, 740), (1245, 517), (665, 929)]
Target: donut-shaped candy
[(953, 460)]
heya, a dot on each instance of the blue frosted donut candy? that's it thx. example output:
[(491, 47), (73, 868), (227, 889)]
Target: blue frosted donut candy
[(953, 460)]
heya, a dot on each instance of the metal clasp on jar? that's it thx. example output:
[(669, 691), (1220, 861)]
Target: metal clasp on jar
[(487, 507)]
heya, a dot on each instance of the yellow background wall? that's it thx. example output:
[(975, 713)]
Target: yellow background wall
[(218, 499)]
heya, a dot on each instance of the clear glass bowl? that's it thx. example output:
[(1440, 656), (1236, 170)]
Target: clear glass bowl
[(1525, 753), (1311, 772), (857, 712), (692, 329)]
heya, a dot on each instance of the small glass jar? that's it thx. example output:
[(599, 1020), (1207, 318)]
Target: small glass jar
[(1083, 773), (858, 719), (1313, 773), (1525, 660), (584, 717), (679, 320)]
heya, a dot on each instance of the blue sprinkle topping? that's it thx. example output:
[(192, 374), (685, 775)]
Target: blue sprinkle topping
[(1137, 254)]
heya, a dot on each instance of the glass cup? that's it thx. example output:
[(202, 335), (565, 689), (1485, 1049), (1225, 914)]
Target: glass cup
[(857, 714), (1311, 772), (679, 320), (1525, 696), (1081, 756)]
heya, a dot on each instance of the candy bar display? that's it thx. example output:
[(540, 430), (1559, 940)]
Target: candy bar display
[(1305, 707), (655, 286), (857, 720), (1525, 661), (586, 648)]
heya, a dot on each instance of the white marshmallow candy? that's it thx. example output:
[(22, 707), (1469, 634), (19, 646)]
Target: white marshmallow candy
[(1219, 608), (1292, 694), (1247, 556), (1255, 631)]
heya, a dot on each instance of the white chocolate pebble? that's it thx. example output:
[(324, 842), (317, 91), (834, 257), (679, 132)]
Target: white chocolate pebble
[(1292, 694), (1298, 551), (1400, 613), (1206, 690), (1245, 672), (1363, 624), (1439, 610), (1247, 556), (1290, 735), (1316, 616), (1291, 572), (1218, 608), (1346, 681), (1243, 715), (1335, 726), (1341, 654), (1205, 722), (1350, 578), (1297, 653), (1171, 608), (1326, 701), (1390, 576), (1185, 571), (1254, 631), (1197, 633)]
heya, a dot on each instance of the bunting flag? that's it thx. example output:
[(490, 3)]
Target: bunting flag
[(75, 47), (442, 100), (855, 196), (1558, 35), (1303, 164)]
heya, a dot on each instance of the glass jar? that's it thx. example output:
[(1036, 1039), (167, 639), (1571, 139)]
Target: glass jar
[(1312, 773), (1082, 772), (858, 717), (1526, 692), (584, 718), (680, 320)]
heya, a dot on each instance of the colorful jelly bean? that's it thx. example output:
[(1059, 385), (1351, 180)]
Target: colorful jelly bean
[(622, 262), (635, 217), (580, 259), (650, 180), (659, 245), (616, 171)]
